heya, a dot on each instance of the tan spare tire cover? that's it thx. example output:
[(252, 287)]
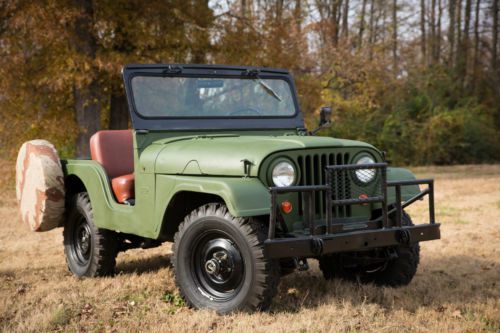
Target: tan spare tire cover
[(40, 185)]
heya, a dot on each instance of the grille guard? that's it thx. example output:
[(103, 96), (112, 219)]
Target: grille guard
[(334, 241)]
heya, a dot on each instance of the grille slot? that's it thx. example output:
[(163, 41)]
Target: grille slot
[(312, 170)]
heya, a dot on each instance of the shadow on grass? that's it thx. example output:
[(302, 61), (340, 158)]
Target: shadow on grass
[(439, 281), (144, 265)]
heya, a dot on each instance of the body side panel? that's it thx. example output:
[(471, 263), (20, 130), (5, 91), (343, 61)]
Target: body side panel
[(108, 214)]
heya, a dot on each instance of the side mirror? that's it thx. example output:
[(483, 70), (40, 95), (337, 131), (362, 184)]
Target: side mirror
[(324, 119), (325, 115)]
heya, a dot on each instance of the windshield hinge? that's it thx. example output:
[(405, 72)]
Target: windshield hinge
[(302, 131), (172, 70), (251, 72)]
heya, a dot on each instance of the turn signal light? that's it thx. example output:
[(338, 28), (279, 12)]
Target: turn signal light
[(286, 207), (363, 196)]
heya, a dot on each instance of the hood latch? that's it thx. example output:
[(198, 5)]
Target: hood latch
[(247, 165)]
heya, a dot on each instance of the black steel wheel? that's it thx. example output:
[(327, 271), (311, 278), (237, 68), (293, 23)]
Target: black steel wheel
[(394, 266), (219, 262), (89, 251)]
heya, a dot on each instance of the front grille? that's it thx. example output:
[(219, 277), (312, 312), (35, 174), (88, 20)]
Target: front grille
[(312, 171)]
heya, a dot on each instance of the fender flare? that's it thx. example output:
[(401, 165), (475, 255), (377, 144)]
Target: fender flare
[(243, 196), (396, 174)]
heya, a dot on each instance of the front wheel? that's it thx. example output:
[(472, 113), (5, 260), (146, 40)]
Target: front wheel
[(219, 262)]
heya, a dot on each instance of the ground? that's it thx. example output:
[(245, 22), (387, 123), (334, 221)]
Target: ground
[(457, 286)]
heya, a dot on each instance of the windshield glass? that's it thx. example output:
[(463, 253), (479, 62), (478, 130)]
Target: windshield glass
[(156, 96)]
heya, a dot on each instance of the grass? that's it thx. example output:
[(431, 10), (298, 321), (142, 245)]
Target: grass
[(456, 289)]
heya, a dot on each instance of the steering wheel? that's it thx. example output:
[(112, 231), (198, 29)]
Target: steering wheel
[(245, 111)]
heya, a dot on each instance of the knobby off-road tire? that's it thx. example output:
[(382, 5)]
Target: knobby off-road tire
[(89, 251), (219, 262), (394, 272)]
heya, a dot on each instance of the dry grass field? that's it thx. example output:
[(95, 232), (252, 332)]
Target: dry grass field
[(456, 289)]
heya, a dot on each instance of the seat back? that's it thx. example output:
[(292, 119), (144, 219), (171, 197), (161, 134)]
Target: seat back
[(114, 151)]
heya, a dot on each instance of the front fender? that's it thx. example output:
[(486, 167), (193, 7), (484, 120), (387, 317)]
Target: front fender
[(243, 196), (397, 174)]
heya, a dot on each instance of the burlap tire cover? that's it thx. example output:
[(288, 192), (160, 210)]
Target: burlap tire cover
[(40, 185)]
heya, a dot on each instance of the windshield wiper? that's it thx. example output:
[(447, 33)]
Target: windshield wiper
[(255, 74), (268, 89)]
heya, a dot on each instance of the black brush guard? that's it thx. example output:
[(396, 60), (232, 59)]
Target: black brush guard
[(335, 239)]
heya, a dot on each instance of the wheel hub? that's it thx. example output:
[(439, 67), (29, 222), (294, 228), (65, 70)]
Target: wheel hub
[(219, 264), (219, 267), (84, 240)]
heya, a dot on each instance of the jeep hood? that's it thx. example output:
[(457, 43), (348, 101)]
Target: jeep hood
[(224, 154)]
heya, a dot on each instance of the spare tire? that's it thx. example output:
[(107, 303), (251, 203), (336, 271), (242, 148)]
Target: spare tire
[(40, 185)]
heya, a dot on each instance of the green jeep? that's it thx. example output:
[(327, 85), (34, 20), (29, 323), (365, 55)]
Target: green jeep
[(219, 163)]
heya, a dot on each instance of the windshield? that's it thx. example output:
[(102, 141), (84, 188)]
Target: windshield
[(156, 96)]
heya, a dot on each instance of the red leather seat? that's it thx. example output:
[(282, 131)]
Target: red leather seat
[(115, 152)]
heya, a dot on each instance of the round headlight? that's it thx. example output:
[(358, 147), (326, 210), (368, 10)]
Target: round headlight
[(365, 175), (283, 174)]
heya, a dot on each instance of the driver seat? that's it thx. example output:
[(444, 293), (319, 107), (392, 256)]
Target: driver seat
[(115, 152)]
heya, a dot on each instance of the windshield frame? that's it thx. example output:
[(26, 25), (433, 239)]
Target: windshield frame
[(140, 121), (204, 76)]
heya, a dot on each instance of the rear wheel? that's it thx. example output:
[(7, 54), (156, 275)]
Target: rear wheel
[(89, 251), (219, 262), (394, 266)]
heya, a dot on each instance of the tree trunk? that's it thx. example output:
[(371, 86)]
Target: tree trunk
[(298, 15), (87, 96), (495, 36), (395, 36), (345, 20), (459, 31), (335, 23), (476, 43), (465, 44), (438, 32), (423, 41), (451, 32), (372, 27), (432, 37), (118, 108), (361, 24)]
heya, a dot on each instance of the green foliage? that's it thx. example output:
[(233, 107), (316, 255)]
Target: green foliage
[(422, 118)]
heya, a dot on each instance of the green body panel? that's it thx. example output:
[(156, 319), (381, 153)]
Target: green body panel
[(204, 154), (108, 213), (243, 196), (169, 163), (394, 174)]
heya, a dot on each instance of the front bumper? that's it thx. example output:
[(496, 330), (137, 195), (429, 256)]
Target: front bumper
[(391, 232)]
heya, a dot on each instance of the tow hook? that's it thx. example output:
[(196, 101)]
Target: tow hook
[(316, 246), (301, 264), (403, 236)]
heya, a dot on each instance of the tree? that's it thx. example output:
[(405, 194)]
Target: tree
[(395, 35), (494, 46), (476, 42), (423, 40), (361, 24), (451, 31)]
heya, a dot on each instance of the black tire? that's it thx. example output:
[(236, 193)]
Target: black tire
[(398, 271), (219, 262), (89, 251)]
